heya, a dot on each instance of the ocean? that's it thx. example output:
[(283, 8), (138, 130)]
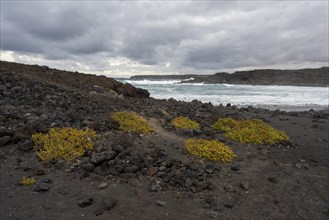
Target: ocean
[(288, 98)]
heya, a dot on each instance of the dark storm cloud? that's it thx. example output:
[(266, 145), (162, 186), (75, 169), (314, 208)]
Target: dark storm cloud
[(200, 36)]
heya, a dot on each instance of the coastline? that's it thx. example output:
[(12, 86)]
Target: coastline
[(318, 77), (152, 176)]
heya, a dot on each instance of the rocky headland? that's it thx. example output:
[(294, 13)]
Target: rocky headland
[(300, 77), (151, 176)]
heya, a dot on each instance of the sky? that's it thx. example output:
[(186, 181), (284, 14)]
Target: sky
[(124, 38)]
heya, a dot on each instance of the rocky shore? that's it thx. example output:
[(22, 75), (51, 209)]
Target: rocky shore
[(300, 77), (151, 176)]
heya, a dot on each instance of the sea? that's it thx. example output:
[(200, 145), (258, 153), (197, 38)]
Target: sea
[(286, 98)]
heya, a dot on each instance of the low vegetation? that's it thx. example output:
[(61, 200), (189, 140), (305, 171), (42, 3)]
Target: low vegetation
[(66, 143), (27, 181), (209, 150), (249, 131), (185, 123), (131, 122)]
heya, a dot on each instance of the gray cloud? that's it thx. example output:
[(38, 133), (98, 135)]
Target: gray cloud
[(201, 37)]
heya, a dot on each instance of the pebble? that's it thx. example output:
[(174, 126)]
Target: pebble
[(273, 180), (40, 172), (160, 203), (4, 140), (106, 205), (152, 171), (97, 158), (89, 167), (188, 182), (209, 199), (155, 188), (46, 180), (229, 188), (109, 203), (229, 205), (209, 169), (213, 214), (302, 164), (84, 202), (41, 187), (245, 186), (235, 167), (102, 185)]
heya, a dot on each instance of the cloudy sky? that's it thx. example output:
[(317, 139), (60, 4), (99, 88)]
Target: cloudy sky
[(165, 37)]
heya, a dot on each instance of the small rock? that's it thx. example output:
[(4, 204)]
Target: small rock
[(213, 214), (273, 180), (99, 211), (111, 123), (229, 188), (276, 163), (160, 203), (188, 182), (4, 140), (209, 199), (24, 132), (186, 132), (303, 164), (74, 116), (106, 205), (235, 167), (5, 132), (46, 180), (40, 172), (59, 164), (102, 185), (118, 148), (245, 186), (154, 152), (152, 171), (131, 168), (25, 145), (97, 158), (155, 188), (89, 167), (209, 169), (197, 132), (42, 187), (229, 205), (84, 202), (298, 165), (109, 203)]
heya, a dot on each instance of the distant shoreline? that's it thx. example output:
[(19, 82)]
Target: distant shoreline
[(318, 77)]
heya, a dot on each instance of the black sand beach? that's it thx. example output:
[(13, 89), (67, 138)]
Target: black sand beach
[(151, 176)]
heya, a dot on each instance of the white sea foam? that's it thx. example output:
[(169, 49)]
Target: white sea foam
[(254, 95), (152, 82)]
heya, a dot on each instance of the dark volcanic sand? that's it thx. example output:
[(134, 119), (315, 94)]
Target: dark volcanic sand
[(151, 176)]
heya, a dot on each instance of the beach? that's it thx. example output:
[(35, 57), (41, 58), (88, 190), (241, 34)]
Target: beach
[(152, 176)]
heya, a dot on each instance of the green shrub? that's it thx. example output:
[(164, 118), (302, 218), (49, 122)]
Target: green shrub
[(209, 149), (131, 122), (185, 123), (66, 143), (249, 131), (27, 181)]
